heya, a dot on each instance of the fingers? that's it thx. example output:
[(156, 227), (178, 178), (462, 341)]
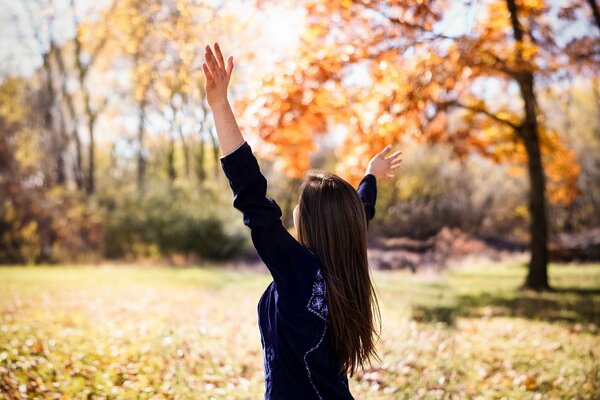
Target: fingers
[(395, 160), (385, 150), (207, 72), (229, 65), (216, 63), (390, 175), (211, 61), (220, 60), (394, 154)]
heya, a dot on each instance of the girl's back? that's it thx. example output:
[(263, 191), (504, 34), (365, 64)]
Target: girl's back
[(316, 317)]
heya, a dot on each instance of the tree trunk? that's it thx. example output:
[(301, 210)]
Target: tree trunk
[(186, 152), (47, 101), (595, 11), (200, 170), (90, 114), (78, 163), (216, 154), (61, 176), (201, 155), (78, 167), (141, 160), (537, 277), (171, 172), (91, 181)]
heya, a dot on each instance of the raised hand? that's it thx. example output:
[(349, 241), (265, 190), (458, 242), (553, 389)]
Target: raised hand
[(382, 165), (217, 76), (217, 79)]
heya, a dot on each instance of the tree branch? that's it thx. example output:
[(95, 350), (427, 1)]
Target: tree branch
[(456, 103)]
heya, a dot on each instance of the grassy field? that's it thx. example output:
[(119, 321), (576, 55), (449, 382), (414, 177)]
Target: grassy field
[(140, 333)]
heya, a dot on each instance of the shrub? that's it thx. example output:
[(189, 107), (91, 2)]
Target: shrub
[(170, 220), (434, 190)]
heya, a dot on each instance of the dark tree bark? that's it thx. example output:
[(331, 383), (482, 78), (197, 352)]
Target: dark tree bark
[(595, 11), (171, 172), (200, 170), (91, 178), (47, 97), (141, 159), (186, 152), (537, 277)]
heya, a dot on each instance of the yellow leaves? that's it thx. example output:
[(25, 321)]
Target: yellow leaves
[(20, 230), (532, 7), (346, 3), (561, 167), (11, 97), (28, 150), (31, 243), (527, 50), (131, 46), (314, 32), (497, 16)]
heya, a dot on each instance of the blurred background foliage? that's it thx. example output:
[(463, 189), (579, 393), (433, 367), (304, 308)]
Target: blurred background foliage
[(107, 148)]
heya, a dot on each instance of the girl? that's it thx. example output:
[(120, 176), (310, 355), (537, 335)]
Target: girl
[(316, 318)]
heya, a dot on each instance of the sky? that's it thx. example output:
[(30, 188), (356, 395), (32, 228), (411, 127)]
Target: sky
[(23, 33), (20, 49)]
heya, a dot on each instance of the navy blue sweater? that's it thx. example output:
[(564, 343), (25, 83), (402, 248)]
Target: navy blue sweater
[(298, 354)]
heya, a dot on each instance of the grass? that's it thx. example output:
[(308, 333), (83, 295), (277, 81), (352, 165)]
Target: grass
[(160, 333)]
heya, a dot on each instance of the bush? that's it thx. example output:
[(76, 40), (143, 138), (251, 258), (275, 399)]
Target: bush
[(434, 190), (168, 221)]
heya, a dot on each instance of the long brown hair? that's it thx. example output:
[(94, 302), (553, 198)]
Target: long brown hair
[(332, 223)]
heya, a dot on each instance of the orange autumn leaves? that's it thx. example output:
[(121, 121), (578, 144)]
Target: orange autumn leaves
[(379, 72)]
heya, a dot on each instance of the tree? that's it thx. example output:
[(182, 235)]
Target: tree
[(61, 62), (50, 90), (88, 44), (162, 42), (383, 70), (134, 37)]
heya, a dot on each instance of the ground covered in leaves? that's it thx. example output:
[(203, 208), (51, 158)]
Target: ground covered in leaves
[(160, 333)]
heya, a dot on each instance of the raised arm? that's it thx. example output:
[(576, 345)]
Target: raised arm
[(367, 191), (283, 255), (217, 79), (380, 166)]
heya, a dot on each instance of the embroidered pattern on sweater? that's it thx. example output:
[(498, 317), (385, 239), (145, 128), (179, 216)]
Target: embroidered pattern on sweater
[(317, 304)]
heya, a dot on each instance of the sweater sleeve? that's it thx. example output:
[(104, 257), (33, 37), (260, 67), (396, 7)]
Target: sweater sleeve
[(283, 255), (367, 191)]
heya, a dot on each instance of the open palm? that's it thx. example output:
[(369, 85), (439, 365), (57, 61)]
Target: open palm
[(383, 165), (217, 75)]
